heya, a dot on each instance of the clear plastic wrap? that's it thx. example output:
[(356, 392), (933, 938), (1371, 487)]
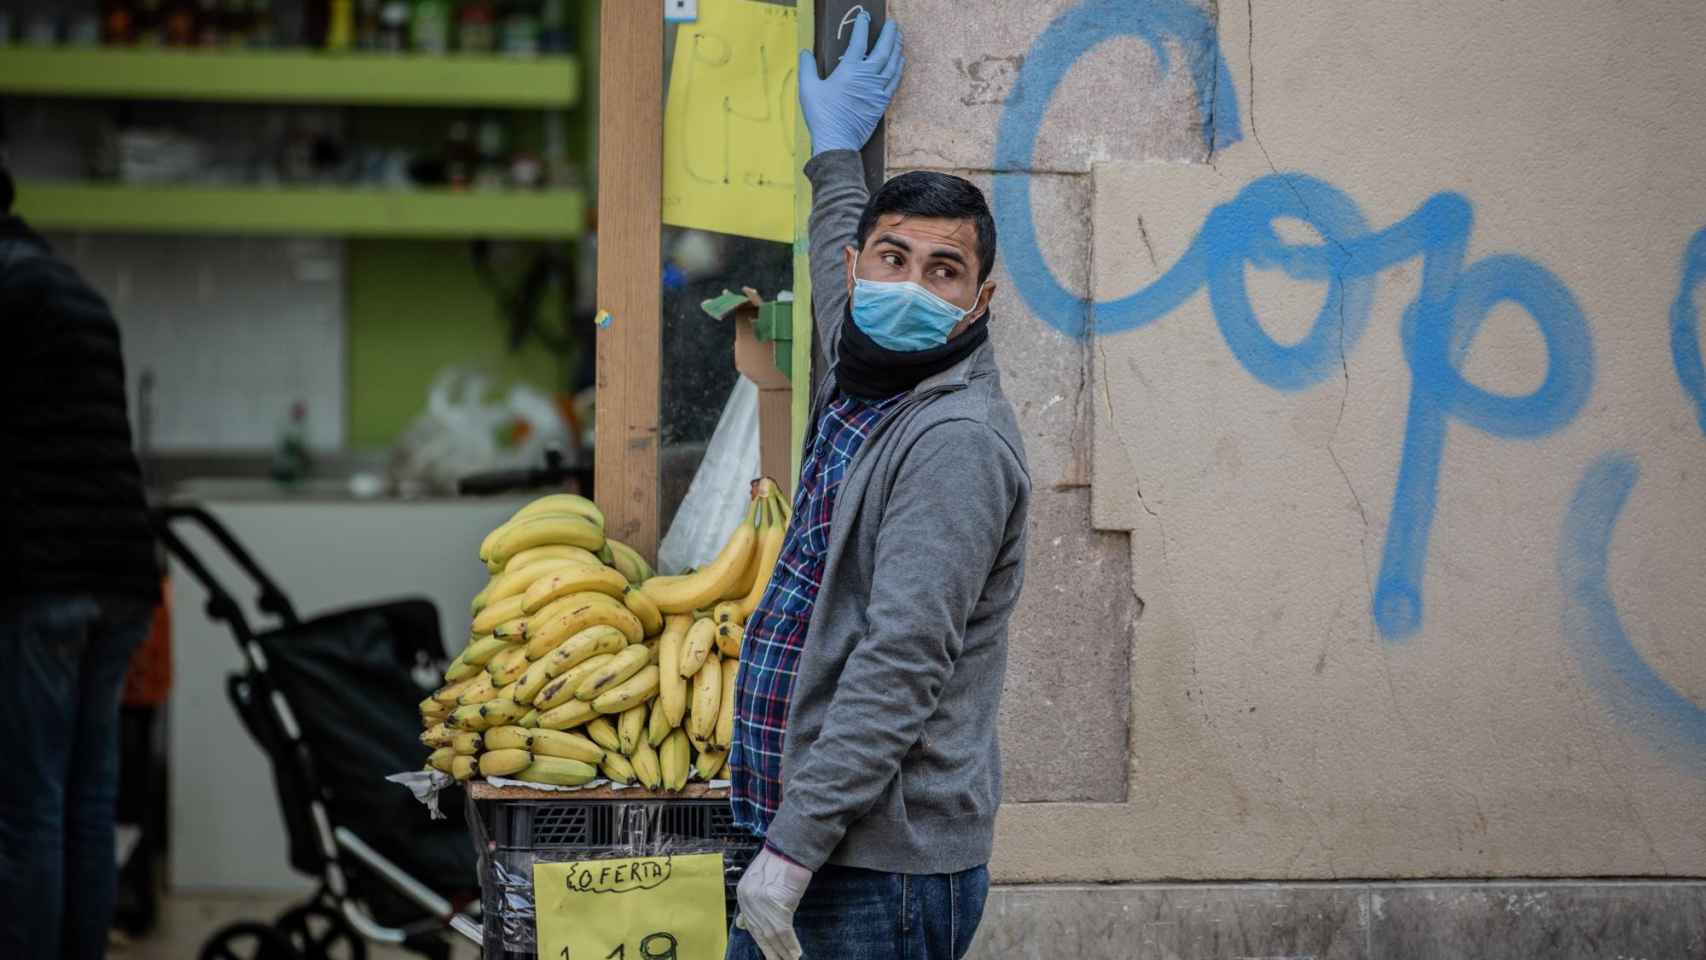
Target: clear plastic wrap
[(513, 835)]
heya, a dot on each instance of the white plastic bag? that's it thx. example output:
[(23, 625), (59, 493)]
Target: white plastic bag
[(462, 432), (721, 490)]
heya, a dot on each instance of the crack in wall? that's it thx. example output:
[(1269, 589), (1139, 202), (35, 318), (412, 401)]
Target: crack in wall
[(1143, 233), (1213, 93)]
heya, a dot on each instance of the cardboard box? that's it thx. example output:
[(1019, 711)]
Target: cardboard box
[(756, 359)]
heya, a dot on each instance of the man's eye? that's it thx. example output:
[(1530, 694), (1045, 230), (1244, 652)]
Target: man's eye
[(892, 259)]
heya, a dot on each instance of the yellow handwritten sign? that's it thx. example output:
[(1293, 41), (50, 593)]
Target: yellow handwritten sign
[(644, 908), (728, 143)]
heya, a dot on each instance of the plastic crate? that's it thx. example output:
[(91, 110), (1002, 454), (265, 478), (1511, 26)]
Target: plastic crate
[(517, 833)]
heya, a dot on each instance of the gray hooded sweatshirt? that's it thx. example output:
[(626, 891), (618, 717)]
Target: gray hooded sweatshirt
[(891, 760)]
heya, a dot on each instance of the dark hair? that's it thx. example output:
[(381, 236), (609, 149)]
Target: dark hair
[(925, 193)]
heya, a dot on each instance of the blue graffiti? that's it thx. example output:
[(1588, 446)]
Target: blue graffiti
[(1066, 41), (1438, 327), (1685, 330), (1631, 689)]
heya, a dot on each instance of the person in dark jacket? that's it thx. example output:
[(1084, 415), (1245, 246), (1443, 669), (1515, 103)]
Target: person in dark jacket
[(78, 584)]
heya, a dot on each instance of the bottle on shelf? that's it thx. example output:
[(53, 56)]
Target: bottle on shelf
[(431, 26), (181, 23), (460, 157), (340, 29), (210, 25), (520, 33), (290, 458), (394, 25), (150, 24), (236, 23), (476, 27), (555, 35)]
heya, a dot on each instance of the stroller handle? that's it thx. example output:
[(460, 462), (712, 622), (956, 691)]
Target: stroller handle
[(220, 605)]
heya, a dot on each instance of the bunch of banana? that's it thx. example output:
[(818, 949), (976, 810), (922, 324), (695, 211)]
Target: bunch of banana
[(582, 664)]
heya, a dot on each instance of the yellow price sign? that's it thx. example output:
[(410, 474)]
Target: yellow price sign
[(640, 908)]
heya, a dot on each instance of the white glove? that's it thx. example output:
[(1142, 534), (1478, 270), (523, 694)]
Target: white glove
[(768, 896)]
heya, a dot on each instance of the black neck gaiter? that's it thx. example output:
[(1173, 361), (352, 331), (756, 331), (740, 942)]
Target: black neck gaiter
[(870, 371)]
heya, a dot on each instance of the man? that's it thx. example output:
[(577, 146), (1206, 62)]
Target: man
[(78, 583), (865, 748)]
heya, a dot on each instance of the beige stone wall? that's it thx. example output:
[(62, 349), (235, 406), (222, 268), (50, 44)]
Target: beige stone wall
[(1391, 563)]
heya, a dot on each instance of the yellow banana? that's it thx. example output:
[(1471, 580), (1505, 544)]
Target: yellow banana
[(467, 718), (551, 551), (562, 690), (479, 600), (441, 758), (466, 743), (729, 611), (647, 612), (707, 698), (507, 692), (437, 735), (463, 767), (646, 769), (509, 737), (570, 653), (724, 733), (561, 503), (769, 549), (574, 617), (710, 763), (515, 580), (701, 637), (673, 760), (687, 593), (432, 710), (603, 733), (569, 579), (614, 673), (629, 694), (563, 528), (501, 712), (452, 692), (566, 717), (481, 690), (570, 746), (628, 560), (493, 614), (504, 763), (700, 744), (558, 771), (529, 719), (631, 727), (672, 686), (486, 544), (729, 638), (652, 651), (473, 658), (617, 769), (657, 723), (512, 632), (508, 666)]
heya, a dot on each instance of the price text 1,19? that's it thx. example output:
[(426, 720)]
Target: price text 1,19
[(656, 946)]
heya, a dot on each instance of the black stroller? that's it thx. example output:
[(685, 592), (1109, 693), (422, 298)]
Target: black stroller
[(333, 703)]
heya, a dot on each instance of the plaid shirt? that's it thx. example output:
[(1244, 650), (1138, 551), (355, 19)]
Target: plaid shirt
[(776, 633)]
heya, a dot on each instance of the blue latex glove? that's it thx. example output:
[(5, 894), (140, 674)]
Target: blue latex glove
[(843, 109)]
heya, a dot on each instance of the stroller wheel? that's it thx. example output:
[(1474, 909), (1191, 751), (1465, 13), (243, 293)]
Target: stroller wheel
[(248, 941), (318, 932)]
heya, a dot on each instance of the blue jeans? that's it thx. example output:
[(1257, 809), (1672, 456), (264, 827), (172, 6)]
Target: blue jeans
[(850, 914), (62, 666)]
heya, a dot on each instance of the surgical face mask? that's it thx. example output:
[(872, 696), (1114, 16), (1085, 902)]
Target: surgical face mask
[(903, 317)]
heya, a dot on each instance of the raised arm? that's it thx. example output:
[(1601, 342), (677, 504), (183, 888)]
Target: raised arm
[(842, 111)]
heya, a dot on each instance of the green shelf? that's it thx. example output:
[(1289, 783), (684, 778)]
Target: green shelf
[(292, 76), (349, 212)]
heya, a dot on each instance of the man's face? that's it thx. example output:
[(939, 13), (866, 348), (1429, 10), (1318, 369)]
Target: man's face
[(938, 255)]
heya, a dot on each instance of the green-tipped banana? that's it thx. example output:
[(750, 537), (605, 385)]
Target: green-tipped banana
[(504, 763), (569, 746), (603, 733), (558, 771), (646, 769), (617, 769), (474, 658)]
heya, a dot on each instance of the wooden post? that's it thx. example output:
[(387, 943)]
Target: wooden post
[(630, 238)]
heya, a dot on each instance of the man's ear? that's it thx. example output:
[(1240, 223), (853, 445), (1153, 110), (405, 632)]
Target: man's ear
[(852, 257), (980, 306)]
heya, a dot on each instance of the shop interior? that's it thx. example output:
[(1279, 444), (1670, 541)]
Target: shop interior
[(385, 271)]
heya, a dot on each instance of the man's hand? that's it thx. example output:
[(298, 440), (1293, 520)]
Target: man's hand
[(843, 110), (768, 896)]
